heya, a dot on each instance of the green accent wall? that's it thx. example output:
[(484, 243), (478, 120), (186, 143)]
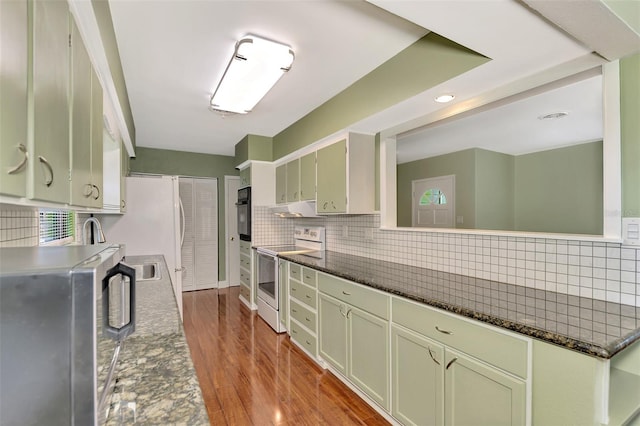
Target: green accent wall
[(461, 163), (180, 163), (560, 190), (429, 61), (102, 13), (494, 190), (254, 147), (630, 134)]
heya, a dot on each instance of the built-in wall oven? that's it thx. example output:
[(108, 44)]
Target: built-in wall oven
[(244, 213), (64, 314), (308, 241)]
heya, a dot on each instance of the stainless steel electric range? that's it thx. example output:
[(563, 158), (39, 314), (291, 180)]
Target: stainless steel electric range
[(308, 240)]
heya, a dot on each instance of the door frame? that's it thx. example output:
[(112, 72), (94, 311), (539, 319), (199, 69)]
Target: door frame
[(228, 216), (452, 202)]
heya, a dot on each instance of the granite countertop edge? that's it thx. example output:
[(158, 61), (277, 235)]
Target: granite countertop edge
[(571, 343)]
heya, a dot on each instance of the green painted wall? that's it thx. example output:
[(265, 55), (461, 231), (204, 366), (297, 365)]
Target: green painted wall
[(167, 162), (254, 147), (102, 12), (560, 190), (461, 164), (494, 190), (630, 134), (426, 63)]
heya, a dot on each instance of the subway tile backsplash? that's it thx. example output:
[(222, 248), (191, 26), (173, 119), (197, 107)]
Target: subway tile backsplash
[(593, 269), (19, 226)]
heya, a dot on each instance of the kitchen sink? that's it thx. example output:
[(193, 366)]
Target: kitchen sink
[(147, 271)]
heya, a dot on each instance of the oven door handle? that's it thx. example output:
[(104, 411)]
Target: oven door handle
[(115, 333)]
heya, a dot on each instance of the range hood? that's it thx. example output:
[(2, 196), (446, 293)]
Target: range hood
[(296, 209)]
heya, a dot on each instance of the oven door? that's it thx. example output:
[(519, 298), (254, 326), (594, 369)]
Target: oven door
[(244, 221), (268, 285)]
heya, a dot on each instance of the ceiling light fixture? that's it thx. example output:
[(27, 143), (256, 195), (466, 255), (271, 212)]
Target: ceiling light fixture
[(255, 67), (443, 99), (553, 115)]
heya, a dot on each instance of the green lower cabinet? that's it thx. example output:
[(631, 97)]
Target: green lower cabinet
[(356, 344), (477, 394), (333, 332), (418, 379), (368, 356)]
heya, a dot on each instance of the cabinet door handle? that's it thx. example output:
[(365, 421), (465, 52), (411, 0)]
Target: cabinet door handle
[(333, 205), (432, 357), (87, 191), (97, 189), (324, 206), (307, 296), (348, 312), (295, 195), (307, 277), (46, 164), (294, 311), (308, 320), (443, 331), (308, 342), (124, 204), (451, 363), (19, 167), (282, 197), (346, 293), (295, 331)]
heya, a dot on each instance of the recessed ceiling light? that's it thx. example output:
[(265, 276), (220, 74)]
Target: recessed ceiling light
[(444, 98), (553, 115)]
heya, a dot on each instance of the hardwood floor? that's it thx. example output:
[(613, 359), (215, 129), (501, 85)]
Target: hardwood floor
[(250, 375)]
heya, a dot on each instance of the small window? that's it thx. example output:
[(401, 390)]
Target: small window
[(433, 196), (57, 227)]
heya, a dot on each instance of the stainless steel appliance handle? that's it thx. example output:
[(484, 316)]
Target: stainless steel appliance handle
[(115, 333)]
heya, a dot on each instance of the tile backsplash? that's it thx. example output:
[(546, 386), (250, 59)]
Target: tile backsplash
[(593, 269), (19, 226)]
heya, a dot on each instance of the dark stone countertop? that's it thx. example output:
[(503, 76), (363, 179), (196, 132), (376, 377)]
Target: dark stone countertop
[(156, 382), (590, 326)]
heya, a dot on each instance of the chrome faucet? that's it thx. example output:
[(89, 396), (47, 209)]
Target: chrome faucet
[(100, 237)]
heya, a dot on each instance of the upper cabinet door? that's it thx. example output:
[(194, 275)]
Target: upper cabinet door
[(50, 165), (308, 177), (81, 189), (97, 142), (14, 27), (281, 184), (293, 180), (332, 178)]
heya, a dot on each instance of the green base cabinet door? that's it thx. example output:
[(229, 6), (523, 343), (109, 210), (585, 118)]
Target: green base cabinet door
[(369, 355), (477, 394), (418, 379), (333, 332), (283, 279)]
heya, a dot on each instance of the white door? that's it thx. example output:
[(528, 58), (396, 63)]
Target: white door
[(433, 204), (231, 185)]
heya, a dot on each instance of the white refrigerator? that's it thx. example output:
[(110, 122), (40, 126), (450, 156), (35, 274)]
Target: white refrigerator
[(152, 224)]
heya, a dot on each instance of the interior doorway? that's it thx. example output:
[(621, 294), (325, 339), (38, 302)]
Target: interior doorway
[(433, 202)]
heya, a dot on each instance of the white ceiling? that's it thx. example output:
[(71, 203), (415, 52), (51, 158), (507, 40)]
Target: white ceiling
[(174, 51), (515, 128)]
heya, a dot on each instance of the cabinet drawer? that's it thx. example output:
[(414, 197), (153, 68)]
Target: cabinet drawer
[(245, 262), (304, 338), (295, 271), (355, 295), (245, 292), (303, 293), (303, 315), (245, 247), (506, 352), (309, 276), (245, 278)]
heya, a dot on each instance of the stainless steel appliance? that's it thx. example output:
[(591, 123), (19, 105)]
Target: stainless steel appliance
[(244, 213), (308, 240), (64, 313)]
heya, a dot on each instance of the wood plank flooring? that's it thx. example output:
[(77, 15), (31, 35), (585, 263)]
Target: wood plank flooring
[(250, 375)]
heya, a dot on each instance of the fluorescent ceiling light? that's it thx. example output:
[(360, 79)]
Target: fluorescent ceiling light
[(255, 67)]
